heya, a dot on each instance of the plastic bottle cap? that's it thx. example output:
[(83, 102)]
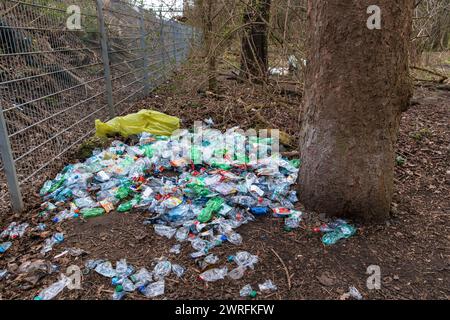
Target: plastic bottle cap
[(119, 288)]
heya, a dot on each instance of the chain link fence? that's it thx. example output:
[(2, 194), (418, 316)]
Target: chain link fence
[(65, 64)]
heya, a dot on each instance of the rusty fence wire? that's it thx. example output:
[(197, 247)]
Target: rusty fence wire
[(64, 64)]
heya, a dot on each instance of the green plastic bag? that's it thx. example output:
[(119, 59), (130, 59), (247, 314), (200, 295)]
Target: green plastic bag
[(150, 121)]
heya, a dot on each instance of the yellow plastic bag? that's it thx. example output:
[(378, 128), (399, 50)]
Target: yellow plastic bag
[(150, 121)]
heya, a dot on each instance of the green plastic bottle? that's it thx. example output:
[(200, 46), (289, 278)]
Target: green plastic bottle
[(127, 206), (222, 166), (124, 190), (88, 213), (212, 206)]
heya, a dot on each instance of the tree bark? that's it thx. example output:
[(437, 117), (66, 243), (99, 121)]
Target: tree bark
[(356, 88), (254, 55)]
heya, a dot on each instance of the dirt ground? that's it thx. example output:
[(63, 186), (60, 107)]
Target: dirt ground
[(411, 248)]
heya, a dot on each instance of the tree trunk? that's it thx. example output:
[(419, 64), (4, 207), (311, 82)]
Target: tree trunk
[(356, 87), (254, 55)]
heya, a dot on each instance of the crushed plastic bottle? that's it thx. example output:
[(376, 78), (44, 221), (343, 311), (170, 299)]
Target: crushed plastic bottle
[(105, 269), (237, 273), (215, 274), (178, 270), (212, 206), (293, 220), (245, 259), (50, 242), (14, 231), (142, 278), (182, 234), (165, 231), (153, 289), (162, 269), (355, 294), (211, 259), (5, 246), (336, 231), (176, 249), (123, 269), (53, 290), (247, 291), (267, 286), (119, 293)]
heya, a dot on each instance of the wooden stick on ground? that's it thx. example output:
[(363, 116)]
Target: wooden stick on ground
[(435, 73), (288, 277)]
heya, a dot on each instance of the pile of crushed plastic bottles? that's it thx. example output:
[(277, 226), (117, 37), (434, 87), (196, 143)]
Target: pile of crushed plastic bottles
[(203, 202), (198, 193)]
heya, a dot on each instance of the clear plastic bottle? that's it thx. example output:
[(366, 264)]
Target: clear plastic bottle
[(142, 277), (247, 291), (50, 242), (165, 231), (245, 259), (234, 238), (215, 274), (162, 269), (267, 286), (182, 234), (5, 246), (237, 273), (178, 270), (153, 289), (52, 291), (119, 293), (106, 269)]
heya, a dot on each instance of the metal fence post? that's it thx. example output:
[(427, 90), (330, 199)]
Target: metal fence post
[(9, 166), (144, 53), (105, 58), (175, 40), (162, 43)]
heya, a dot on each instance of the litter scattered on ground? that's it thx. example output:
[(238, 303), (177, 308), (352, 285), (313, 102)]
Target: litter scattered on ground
[(188, 187), (14, 231), (215, 274), (247, 291), (335, 231), (50, 242), (126, 280), (53, 290), (352, 293), (267, 286)]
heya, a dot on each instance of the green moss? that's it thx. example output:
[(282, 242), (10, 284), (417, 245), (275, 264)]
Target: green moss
[(86, 148)]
